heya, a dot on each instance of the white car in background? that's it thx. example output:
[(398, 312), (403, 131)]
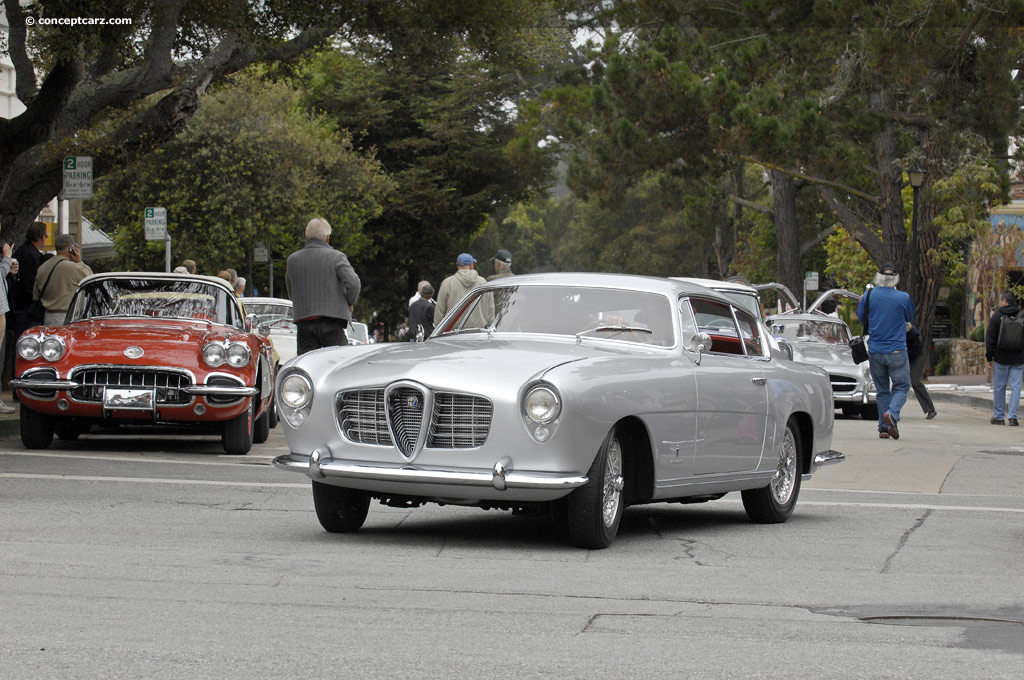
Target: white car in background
[(275, 319)]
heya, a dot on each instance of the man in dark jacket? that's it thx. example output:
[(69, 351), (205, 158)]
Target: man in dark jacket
[(29, 256), (421, 312), (323, 287), (1007, 365), (915, 352)]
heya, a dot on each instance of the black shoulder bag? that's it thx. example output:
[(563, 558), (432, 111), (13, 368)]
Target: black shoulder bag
[(859, 345), (36, 311)]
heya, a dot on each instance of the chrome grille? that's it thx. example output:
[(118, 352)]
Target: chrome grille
[(362, 418), (457, 421), (405, 412), (167, 383), (842, 383), (460, 421)]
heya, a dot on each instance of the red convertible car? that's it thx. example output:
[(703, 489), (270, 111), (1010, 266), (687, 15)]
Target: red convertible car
[(147, 348)]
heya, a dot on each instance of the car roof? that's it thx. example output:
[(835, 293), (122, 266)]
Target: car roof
[(167, 276), (648, 284), (716, 284), (803, 316)]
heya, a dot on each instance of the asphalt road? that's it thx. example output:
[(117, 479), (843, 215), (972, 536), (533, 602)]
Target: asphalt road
[(160, 557)]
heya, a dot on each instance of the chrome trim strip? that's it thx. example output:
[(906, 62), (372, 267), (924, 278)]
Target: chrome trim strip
[(221, 391), (328, 467), (52, 384)]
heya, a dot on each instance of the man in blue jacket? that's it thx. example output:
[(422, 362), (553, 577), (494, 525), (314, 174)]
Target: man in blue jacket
[(885, 313)]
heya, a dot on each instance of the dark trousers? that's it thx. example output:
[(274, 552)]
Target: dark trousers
[(323, 332), (920, 391)]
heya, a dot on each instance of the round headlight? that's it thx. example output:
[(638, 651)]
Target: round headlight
[(28, 348), (296, 391), (214, 354), (52, 349), (238, 354), (542, 405)]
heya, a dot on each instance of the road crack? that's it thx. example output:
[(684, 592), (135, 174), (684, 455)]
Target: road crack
[(903, 541)]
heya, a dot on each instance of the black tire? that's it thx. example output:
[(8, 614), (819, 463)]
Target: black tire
[(36, 429), (237, 435), (68, 429), (850, 409), (261, 430), (869, 412), (774, 503), (595, 510), (272, 415), (340, 511)]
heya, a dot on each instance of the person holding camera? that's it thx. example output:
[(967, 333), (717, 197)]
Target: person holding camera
[(58, 278)]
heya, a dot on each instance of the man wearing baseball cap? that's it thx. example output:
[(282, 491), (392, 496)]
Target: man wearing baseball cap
[(457, 286), (885, 314), (502, 265)]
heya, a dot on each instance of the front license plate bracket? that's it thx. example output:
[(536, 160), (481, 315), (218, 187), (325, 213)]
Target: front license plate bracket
[(129, 399)]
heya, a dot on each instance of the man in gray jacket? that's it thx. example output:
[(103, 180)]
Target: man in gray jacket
[(323, 288)]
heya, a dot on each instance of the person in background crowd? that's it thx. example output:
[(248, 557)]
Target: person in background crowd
[(60, 287), (885, 313), (234, 276), (421, 313), (7, 266), (29, 256), (240, 286), (226, 275), (915, 352), (190, 266), (180, 270), (419, 292), (323, 288), (456, 286), (1007, 365), (502, 265)]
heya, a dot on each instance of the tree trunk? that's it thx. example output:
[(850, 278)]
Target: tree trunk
[(890, 184), (930, 274), (786, 229)]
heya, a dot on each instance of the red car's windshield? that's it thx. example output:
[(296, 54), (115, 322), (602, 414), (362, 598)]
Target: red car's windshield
[(164, 298)]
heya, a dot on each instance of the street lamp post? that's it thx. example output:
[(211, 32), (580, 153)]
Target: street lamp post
[(916, 174)]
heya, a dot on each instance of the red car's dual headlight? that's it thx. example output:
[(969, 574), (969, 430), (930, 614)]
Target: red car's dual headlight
[(48, 347)]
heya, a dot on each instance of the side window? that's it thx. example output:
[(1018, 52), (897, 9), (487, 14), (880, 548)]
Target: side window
[(688, 323), (750, 331), (716, 319)]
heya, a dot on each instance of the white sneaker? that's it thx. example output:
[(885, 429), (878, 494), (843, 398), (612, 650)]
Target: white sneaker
[(4, 408)]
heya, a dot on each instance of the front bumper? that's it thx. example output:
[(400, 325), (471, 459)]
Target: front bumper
[(860, 394), (500, 477), (198, 390)]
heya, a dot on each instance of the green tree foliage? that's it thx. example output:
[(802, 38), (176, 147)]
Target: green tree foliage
[(439, 126), (252, 165)]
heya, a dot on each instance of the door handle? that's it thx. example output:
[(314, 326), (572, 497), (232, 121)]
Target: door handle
[(759, 381)]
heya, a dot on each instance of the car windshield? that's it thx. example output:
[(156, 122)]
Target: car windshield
[(805, 330), (164, 298), (606, 313), (751, 301)]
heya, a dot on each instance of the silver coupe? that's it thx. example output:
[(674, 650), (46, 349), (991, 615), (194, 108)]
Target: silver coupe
[(578, 394)]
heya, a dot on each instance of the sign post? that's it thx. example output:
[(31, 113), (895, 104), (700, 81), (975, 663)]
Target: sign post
[(77, 177), (810, 283), (261, 253), (155, 223)]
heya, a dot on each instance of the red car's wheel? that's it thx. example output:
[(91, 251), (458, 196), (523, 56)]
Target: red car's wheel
[(36, 429), (237, 435)]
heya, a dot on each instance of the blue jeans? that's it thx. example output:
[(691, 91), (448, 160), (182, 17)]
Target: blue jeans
[(894, 367), (1001, 375)]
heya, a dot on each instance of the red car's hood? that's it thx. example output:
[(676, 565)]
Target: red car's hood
[(164, 341)]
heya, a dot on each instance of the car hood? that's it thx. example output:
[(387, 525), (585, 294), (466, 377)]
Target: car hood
[(823, 354), (465, 364), (104, 340)]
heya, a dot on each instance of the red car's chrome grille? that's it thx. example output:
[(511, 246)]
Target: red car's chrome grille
[(168, 383), (457, 421)]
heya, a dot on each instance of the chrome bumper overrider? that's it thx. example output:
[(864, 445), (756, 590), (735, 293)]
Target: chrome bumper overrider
[(501, 477)]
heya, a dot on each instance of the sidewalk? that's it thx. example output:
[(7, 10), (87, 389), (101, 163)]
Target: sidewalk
[(9, 424)]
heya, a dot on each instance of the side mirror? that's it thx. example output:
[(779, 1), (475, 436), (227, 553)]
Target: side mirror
[(250, 321), (700, 343)]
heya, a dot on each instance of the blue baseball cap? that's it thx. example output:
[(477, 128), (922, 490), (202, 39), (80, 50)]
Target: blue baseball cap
[(464, 259)]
